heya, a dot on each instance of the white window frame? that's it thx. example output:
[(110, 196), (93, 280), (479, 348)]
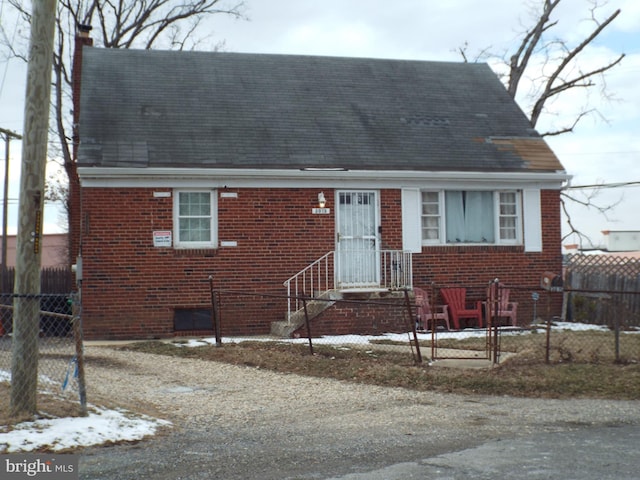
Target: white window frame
[(177, 242), (442, 223), (518, 216), (496, 213)]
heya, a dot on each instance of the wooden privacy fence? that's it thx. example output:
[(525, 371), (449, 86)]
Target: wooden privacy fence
[(603, 289), (52, 280)]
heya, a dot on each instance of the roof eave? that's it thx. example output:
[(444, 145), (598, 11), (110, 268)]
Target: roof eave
[(230, 177)]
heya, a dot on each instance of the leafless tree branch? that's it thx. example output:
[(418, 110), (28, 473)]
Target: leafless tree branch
[(582, 80), (588, 201), (519, 61), (463, 51), (571, 127)]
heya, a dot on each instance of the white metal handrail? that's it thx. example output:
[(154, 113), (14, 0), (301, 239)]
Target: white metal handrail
[(392, 270), (316, 278)]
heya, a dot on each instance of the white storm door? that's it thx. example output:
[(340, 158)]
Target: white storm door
[(357, 219)]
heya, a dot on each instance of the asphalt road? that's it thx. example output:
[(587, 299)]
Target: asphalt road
[(581, 453), (586, 454)]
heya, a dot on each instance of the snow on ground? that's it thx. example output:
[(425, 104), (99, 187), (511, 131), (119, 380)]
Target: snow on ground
[(100, 426), (398, 337), (103, 425)]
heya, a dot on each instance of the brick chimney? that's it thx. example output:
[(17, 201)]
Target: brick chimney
[(82, 39)]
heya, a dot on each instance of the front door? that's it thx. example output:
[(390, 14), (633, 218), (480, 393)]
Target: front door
[(357, 219)]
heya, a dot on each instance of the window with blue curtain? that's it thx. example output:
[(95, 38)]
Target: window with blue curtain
[(471, 217)]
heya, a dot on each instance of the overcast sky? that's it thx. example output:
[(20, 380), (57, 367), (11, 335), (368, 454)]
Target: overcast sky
[(604, 148)]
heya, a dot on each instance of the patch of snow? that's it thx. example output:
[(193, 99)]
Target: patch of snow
[(396, 337), (579, 327), (101, 426)]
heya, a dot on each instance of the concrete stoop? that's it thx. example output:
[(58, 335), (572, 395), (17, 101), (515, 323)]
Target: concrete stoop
[(314, 308)]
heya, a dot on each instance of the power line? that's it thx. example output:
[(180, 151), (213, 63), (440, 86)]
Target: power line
[(604, 185), (621, 152)]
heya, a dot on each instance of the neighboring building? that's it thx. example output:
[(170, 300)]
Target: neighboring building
[(54, 250), (622, 241), (248, 168)]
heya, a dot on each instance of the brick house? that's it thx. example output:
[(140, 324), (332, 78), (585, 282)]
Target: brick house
[(249, 168)]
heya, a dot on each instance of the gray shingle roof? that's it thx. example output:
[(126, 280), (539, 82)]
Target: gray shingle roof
[(234, 110)]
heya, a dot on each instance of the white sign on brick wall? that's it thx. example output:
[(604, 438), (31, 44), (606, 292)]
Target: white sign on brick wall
[(162, 238)]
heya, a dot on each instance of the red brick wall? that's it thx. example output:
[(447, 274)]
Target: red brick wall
[(372, 314), (130, 288)]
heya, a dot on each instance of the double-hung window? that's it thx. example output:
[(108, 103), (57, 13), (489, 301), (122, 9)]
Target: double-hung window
[(471, 217), (508, 217), (195, 219), (431, 217)]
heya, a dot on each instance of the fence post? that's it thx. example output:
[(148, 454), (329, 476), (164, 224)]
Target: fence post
[(76, 311), (214, 313), (616, 329), (434, 339), (306, 321), (548, 345), (412, 323), (494, 300)]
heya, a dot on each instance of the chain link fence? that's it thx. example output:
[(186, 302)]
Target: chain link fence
[(45, 350), (531, 331)]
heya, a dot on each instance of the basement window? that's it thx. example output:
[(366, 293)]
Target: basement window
[(192, 319)]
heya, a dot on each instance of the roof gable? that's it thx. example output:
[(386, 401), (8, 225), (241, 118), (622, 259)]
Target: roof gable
[(142, 108)]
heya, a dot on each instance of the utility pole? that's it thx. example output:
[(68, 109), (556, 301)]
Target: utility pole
[(7, 135), (26, 314)]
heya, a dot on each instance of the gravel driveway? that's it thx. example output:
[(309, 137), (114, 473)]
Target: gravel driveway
[(235, 422)]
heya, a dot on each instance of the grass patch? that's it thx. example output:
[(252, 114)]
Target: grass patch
[(520, 376), (565, 346)]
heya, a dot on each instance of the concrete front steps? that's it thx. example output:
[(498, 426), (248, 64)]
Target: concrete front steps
[(314, 308)]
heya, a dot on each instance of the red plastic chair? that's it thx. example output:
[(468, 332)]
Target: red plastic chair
[(456, 299), (498, 295), (426, 313)]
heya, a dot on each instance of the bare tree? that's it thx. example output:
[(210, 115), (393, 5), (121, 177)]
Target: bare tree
[(167, 24), (564, 72), (551, 66)]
